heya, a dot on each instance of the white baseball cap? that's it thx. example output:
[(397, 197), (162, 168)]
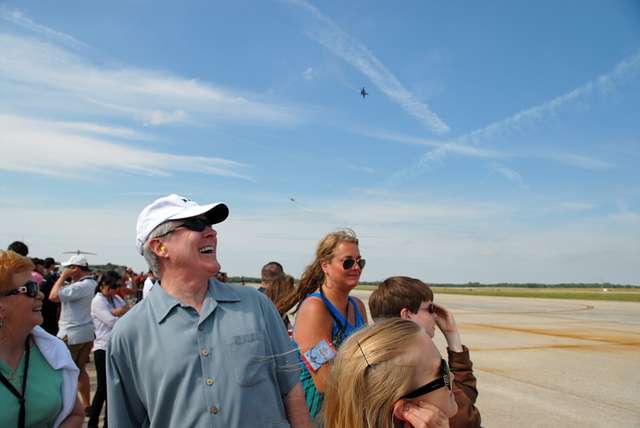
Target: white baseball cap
[(174, 207), (76, 260)]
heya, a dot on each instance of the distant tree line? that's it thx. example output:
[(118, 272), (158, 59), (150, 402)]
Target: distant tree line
[(249, 279)]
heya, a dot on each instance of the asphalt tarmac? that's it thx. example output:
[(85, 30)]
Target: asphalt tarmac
[(549, 362)]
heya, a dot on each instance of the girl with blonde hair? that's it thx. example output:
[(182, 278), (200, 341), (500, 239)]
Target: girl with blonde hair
[(326, 313), (389, 375)]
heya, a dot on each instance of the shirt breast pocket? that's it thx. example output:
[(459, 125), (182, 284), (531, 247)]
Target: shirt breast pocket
[(251, 362)]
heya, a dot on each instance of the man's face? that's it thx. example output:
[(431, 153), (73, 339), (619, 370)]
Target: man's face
[(76, 272), (192, 249)]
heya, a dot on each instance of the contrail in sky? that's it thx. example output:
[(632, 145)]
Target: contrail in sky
[(358, 55)]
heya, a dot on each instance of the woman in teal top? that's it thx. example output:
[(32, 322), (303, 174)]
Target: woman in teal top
[(37, 377), (330, 314)]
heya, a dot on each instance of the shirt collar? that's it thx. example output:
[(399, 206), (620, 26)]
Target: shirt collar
[(162, 302)]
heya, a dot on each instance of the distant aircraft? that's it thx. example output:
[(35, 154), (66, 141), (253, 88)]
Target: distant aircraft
[(292, 199), (363, 92), (78, 252)]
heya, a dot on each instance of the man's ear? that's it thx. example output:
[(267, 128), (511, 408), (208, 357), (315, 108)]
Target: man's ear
[(405, 314), (158, 248)]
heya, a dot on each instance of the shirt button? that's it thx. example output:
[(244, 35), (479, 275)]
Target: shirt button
[(204, 352), (209, 381), (213, 410)]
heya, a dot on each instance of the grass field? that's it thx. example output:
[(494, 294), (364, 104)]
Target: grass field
[(620, 295)]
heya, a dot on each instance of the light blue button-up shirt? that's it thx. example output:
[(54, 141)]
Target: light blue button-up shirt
[(75, 321), (229, 366)]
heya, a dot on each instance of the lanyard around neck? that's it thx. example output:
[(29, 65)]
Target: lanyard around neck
[(21, 397)]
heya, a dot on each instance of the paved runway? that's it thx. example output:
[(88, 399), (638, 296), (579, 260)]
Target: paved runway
[(550, 363)]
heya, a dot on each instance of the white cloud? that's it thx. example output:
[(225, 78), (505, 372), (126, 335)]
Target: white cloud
[(148, 96), (507, 173), (444, 146), (308, 73), (577, 206), (111, 131), (361, 168), (336, 40), (578, 161), (51, 148), (630, 66), (438, 241), (18, 18)]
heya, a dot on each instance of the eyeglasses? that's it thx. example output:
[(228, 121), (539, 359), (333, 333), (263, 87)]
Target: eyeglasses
[(349, 263), (30, 288), (440, 382), (196, 224), (430, 308)]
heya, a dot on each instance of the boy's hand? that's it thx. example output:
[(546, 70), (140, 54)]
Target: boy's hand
[(447, 325)]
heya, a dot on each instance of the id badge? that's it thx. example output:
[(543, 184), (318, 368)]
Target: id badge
[(321, 353)]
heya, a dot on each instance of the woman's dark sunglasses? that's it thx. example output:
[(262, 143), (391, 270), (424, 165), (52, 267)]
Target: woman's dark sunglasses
[(196, 224), (440, 382), (349, 263), (29, 288)]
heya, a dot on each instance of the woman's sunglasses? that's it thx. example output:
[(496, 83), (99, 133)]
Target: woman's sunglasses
[(440, 382), (349, 263), (30, 288)]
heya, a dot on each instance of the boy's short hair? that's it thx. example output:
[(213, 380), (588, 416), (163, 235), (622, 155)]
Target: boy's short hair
[(396, 293)]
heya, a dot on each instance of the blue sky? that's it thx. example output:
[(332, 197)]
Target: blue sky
[(499, 141)]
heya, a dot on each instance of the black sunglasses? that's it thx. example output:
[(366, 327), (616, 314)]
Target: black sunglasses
[(30, 288), (430, 308), (196, 224), (440, 382), (349, 263)]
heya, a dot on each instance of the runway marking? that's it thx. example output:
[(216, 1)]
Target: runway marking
[(580, 308), (623, 339)]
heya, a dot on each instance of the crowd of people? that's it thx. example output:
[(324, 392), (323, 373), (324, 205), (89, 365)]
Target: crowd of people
[(189, 349)]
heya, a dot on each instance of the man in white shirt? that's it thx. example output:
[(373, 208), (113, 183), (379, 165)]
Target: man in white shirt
[(149, 283), (75, 324)]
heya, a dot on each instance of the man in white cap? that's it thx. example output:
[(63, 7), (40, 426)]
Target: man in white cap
[(75, 326), (197, 352)]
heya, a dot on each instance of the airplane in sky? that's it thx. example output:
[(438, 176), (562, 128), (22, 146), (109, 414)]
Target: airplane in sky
[(363, 92)]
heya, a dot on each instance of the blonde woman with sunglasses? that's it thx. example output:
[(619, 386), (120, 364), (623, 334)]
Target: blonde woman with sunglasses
[(389, 375), (38, 379), (326, 313)]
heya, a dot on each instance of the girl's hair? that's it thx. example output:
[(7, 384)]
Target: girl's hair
[(374, 368), (313, 276), (279, 288), (10, 264)]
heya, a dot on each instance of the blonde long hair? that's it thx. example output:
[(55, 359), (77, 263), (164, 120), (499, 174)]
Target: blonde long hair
[(313, 276), (373, 369)]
